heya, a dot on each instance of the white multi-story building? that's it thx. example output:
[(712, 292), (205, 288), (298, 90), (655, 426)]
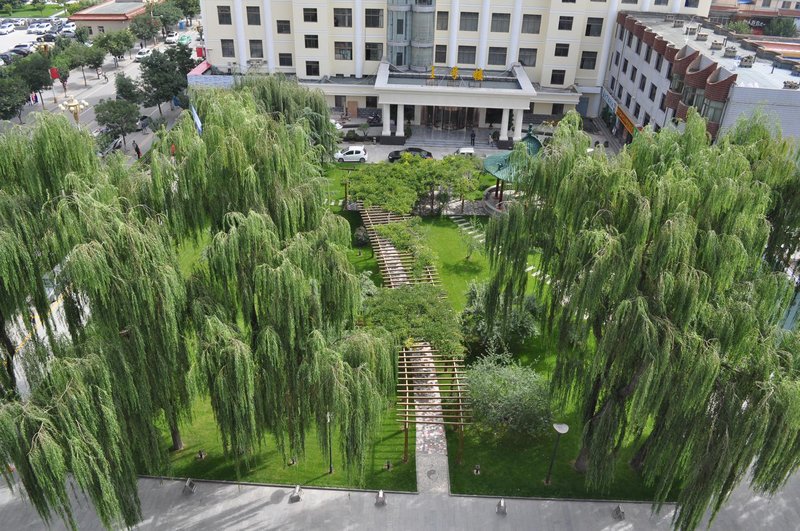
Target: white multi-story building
[(537, 56)]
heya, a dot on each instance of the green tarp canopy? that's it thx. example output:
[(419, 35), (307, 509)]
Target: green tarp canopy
[(498, 164)]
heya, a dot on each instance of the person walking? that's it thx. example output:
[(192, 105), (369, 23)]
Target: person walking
[(137, 150), (472, 137)]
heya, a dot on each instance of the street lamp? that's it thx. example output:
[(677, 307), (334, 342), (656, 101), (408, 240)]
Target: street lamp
[(561, 429), (74, 106), (330, 445)]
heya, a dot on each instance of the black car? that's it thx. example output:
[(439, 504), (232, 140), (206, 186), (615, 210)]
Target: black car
[(22, 52), (9, 57), (397, 155), (47, 37)]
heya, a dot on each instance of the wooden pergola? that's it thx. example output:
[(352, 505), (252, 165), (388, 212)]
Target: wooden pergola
[(431, 389)]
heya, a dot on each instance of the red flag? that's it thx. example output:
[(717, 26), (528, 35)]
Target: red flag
[(201, 52), (54, 73)]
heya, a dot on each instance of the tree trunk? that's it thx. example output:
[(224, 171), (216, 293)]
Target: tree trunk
[(433, 197), (8, 353), (177, 442), (85, 84), (462, 204), (41, 98), (159, 111), (637, 461), (582, 461)]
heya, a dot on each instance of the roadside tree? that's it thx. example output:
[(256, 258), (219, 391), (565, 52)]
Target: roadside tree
[(13, 96), (119, 116)]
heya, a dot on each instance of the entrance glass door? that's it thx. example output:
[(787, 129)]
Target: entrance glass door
[(449, 118)]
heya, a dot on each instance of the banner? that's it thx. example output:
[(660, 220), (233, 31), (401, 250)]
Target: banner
[(54, 73), (626, 122)]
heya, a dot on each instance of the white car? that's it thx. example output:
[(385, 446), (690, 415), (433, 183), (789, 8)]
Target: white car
[(172, 38), (336, 124), (352, 154), (142, 54), (33, 27), (20, 23), (69, 26), (6, 28), (43, 28)]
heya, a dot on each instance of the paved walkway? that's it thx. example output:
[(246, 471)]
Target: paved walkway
[(433, 469), (227, 506)]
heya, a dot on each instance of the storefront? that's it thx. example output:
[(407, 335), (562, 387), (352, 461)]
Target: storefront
[(625, 128)]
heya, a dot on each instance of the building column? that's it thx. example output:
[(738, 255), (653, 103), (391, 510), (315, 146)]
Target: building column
[(504, 126), (676, 6), (452, 45), (518, 124), (516, 29), (387, 120), (241, 41), (358, 38), (646, 4), (484, 19), (269, 36), (605, 53), (401, 122)]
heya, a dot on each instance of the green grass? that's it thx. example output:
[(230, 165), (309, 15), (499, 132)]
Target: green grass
[(29, 12), (269, 466)]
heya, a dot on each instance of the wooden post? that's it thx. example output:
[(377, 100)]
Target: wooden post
[(405, 443), (496, 188), (460, 456)]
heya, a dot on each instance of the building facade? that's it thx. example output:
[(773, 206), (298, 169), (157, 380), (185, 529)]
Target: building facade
[(663, 65), (113, 15), (535, 56)]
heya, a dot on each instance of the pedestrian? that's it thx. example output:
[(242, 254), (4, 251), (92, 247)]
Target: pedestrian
[(472, 137), (141, 45), (35, 97), (137, 150)]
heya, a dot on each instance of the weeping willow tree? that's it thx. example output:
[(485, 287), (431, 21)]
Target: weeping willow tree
[(665, 311), (292, 358), (69, 432)]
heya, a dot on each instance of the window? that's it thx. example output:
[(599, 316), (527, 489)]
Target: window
[(312, 68), (691, 3), (616, 58), (637, 110), (468, 22), (501, 22), (786, 5), (663, 104), (565, 23), (312, 41), (766, 3), (400, 26), (253, 16), (653, 91), (676, 85), (659, 61), (558, 108), (628, 101), (284, 26), (613, 83), (531, 23), (343, 51), (634, 71), (712, 110), (621, 33), (374, 18), (224, 15), (624, 66), (642, 82), (227, 48), (256, 49), (557, 77), (90, 30), (340, 101), (373, 51), (630, 40), (661, 2), (101, 29), (648, 52), (342, 17), (527, 56), (619, 92), (441, 54), (797, 5), (588, 60), (310, 15), (497, 56), (442, 18), (669, 70), (285, 59), (562, 50), (594, 27), (372, 102), (646, 120), (638, 46), (466, 54), (629, 1)]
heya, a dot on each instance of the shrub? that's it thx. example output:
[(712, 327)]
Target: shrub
[(739, 26), (360, 237), (405, 236), (508, 398)]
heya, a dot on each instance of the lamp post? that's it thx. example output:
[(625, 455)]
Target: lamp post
[(561, 429), (330, 446), (74, 106)]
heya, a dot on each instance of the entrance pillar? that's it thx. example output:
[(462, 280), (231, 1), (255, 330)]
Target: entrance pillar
[(401, 121), (518, 125), (504, 126), (387, 120)]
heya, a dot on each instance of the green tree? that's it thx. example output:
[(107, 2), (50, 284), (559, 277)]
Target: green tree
[(13, 96), (739, 26), (94, 57), (38, 5), (145, 27), (159, 80), (168, 14), (128, 89), (8, 9), (81, 34), (34, 70), (63, 63), (655, 287), (189, 8), (115, 42), (181, 57), (119, 116), (781, 27)]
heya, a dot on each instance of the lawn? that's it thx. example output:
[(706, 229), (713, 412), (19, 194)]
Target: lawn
[(30, 12), (269, 466)]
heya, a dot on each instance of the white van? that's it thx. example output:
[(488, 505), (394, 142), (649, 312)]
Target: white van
[(465, 151)]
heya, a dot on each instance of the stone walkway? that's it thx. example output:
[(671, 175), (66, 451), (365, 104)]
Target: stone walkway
[(433, 471)]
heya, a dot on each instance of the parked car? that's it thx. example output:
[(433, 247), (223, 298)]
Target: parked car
[(24, 46), (7, 28), (33, 27), (419, 152), (142, 54), (143, 123), (20, 23), (465, 151), (172, 38), (114, 145), (69, 26), (186, 40), (43, 28), (352, 154), (69, 34), (336, 124), (20, 51), (47, 37), (9, 57)]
